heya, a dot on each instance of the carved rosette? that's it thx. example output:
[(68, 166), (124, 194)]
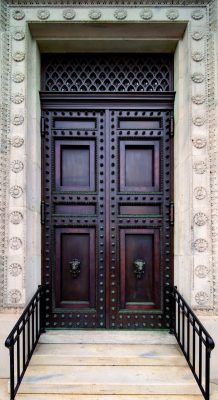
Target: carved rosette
[(15, 269), (146, 14), (94, 14), (198, 99), (197, 56), (201, 298), (200, 193), (18, 56), (198, 120), (18, 14), (201, 245), (201, 271), (17, 166), (16, 141), (197, 77), (14, 296), (199, 142), (200, 219), (17, 119), (200, 167), (18, 77), (15, 243), (69, 14), (43, 14), (16, 217), (172, 14), (197, 35), (197, 14), (16, 191), (120, 14), (18, 35), (17, 98)]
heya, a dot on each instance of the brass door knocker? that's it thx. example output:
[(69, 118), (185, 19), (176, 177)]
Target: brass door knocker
[(75, 267), (139, 268)]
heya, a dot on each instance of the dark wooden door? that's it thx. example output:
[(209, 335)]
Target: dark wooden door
[(106, 201)]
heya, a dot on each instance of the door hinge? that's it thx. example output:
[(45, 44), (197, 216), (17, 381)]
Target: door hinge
[(42, 126), (172, 213), (42, 212), (172, 125)]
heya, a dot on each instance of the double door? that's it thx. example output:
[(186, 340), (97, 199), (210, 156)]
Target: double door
[(106, 184)]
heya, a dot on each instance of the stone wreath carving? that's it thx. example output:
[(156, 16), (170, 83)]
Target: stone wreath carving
[(198, 99), (43, 14), (200, 219), (94, 14), (146, 14), (18, 35), (16, 141), (199, 142), (201, 298), (197, 77), (16, 217), (201, 271), (200, 167), (69, 14), (16, 191), (197, 14), (18, 77), (172, 14), (15, 243), (18, 14), (14, 296), (201, 245), (120, 14), (15, 269), (200, 193), (198, 120), (18, 119), (18, 56), (17, 98), (17, 166), (197, 56), (197, 35)]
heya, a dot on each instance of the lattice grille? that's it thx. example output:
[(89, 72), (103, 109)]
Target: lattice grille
[(107, 73)]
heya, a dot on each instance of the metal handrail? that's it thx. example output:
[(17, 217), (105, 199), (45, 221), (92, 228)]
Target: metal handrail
[(193, 339), (23, 339)]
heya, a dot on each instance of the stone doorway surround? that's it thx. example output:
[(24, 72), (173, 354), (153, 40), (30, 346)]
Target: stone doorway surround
[(185, 28)]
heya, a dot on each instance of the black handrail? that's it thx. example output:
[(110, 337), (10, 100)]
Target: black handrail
[(24, 337), (193, 339)]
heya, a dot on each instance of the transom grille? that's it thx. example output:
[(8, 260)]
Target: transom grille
[(107, 72)]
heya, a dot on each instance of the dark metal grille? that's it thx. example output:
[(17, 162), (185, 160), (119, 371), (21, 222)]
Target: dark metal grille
[(107, 73)]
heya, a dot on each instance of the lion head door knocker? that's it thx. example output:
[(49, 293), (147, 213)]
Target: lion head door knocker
[(139, 268), (75, 267)]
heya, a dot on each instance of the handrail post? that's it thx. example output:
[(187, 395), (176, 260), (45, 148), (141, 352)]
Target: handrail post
[(11, 353)]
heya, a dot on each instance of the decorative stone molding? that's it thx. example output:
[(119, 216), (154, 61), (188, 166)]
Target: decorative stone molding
[(18, 77), (146, 14), (18, 35), (201, 298), (18, 14), (16, 191), (197, 14), (197, 35), (16, 141), (16, 217), (17, 119), (200, 167), (200, 193), (17, 166), (15, 243), (172, 14), (197, 77), (198, 99), (201, 245), (201, 271), (94, 14), (199, 142), (69, 14), (200, 219), (17, 98), (14, 296), (18, 56), (15, 269), (198, 120), (43, 14), (120, 14), (197, 56)]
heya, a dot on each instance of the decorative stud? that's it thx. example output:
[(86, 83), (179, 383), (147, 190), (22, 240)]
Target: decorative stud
[(197, 14), (201, 245), (146, 14), (17, 119), (201, 298), (16, 217), (197, 35), (15, 243), (198, 99), (18, 56), (16, 191), (198, 120), (18, 14), (200, 167), (199, 142), (69, 14), (18, 35), (14, 296), (16, 141), (120, 14), (18, 77), (43, 14), (200, 193), (94, 14), (200, 219), (172, 14), (17, 98), (197, 56), (197, 77), (201, 271)]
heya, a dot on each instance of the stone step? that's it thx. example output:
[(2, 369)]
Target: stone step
[(106, 397), (107, 354), (128, 380), (116, 337)]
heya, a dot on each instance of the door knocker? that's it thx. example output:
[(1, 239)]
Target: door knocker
[(139, 268), (75, 267)]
